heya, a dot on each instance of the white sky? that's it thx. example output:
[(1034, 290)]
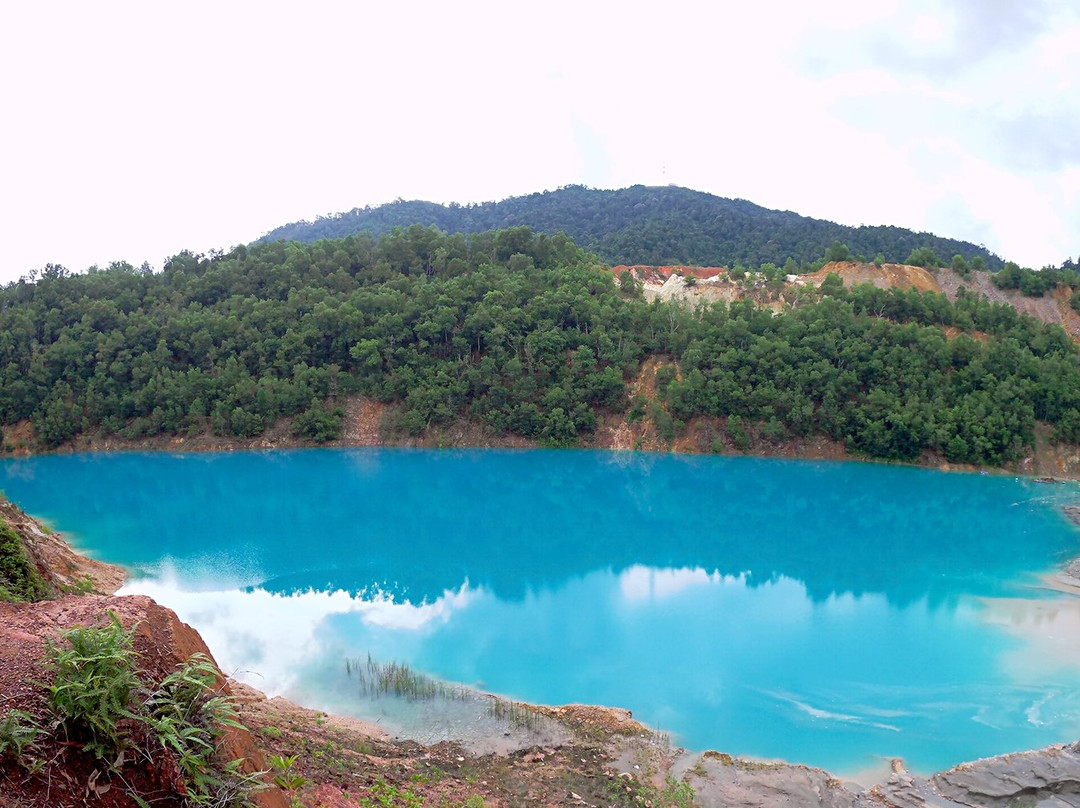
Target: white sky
[(133, 130)]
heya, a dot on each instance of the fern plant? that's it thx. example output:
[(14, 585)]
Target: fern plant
[(18, 732), (100, 702), (188, 714), (94, 685)]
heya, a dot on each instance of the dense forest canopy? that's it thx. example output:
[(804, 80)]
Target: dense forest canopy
[(648, 225), (520, 332)]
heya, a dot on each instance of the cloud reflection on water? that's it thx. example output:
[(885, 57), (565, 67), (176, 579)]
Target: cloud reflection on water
[(762, 668), (268, 639)]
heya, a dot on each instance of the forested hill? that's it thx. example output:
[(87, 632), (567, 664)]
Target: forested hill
[(647, 225), (519, 335)]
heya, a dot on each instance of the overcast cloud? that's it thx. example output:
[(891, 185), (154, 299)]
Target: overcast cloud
[(135, 130)]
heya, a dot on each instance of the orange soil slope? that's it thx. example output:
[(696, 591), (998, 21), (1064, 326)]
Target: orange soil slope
[(853, 273)]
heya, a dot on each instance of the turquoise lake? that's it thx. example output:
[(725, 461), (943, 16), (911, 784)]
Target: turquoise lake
[(834, 614)]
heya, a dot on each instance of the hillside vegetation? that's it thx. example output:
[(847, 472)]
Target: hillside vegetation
[(19, 578), (648, 225), (521, 334)]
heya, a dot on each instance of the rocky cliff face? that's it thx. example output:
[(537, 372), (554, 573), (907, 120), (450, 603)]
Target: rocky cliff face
[(1044, 778)]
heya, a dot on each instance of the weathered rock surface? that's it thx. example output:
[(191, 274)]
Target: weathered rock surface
[(721, 780), (1044, 777)]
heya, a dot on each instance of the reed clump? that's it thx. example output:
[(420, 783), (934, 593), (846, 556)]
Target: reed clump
[(398, 679), (516, 713), (378, 679)]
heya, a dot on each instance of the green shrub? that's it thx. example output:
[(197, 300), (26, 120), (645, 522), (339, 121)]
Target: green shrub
[(923, 257), (675, 794), (94, 685), (188, 715), (246, 424), (737, 432), (773, 430), (382, 794), (99, 701), (665, 424), (284, 777), (319, 423), (665, 375), (19, 578)]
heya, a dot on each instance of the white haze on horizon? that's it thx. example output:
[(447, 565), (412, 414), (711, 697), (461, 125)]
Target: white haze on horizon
[(135, 131)]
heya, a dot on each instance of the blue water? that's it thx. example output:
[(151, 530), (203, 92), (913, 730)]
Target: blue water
[(825, 613)]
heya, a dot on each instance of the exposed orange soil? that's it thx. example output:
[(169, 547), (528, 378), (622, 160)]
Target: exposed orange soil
[(1070, 319), (362, 417), (615, 431), (886, 276)]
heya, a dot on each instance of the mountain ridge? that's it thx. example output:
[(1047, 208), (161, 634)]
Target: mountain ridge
[(655, 225)]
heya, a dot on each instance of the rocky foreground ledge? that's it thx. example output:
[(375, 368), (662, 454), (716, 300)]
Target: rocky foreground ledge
[(587, 756)]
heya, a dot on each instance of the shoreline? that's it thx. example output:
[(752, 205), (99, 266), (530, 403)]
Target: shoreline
[(181, 447), (682, 761), (1044, 461)]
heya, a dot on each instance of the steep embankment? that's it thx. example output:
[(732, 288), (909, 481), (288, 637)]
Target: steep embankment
[(1050, 308), (69, 735)]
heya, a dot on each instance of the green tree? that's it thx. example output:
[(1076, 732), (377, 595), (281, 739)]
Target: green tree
[(833, 285), (923, 257), (837, 251), (319, 423)]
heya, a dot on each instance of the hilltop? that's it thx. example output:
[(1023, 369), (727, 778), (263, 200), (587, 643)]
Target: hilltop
[(652, 225)]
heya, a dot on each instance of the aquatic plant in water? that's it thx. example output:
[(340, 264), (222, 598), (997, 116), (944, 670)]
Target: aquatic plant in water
[(398, 679)]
